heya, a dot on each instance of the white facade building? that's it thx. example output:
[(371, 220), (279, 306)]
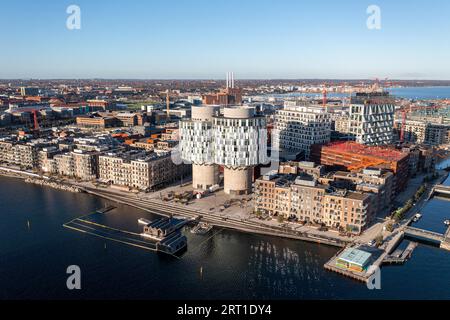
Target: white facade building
[(298, 127), (240, 140), (197, 146), (371, 118), (236, 140)]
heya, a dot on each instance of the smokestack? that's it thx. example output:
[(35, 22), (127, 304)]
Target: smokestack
[(228, 80), (232, 80)]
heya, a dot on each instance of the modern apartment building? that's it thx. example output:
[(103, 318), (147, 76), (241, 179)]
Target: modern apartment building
[(236, 140), (240, 144), (23, 154), (376, 181), (304, 198), (78, 164), (139, 170), (371, 118), (351, 211), (354, 157), (96, 120), (428, 133), (294, 167), (197, 146), (29, 91), (300, 126)]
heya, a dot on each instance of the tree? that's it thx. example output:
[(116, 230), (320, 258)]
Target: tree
[(390, 227), (379, 240), (280, 218)]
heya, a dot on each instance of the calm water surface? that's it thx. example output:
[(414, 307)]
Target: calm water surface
[(235, 265), (423, 93)]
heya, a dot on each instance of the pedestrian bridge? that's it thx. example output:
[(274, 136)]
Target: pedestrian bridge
[(441, 190), (428, 235), (442, 239)]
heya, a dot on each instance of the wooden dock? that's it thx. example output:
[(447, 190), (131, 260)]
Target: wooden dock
[(359, 276), (402, 256), (84, 225), (366, 275), (105, 232)]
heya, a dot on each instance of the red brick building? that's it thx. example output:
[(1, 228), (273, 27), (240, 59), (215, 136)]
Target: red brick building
[(353, 156)]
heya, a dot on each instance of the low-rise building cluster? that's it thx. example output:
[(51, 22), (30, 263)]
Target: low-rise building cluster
[(100, 158), (321, 202)]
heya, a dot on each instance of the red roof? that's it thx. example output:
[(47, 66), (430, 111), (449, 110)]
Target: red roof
[(385, 153)]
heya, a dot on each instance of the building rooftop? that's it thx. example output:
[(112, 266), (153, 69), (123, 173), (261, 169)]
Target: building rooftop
[(384, 153), (355, 256)]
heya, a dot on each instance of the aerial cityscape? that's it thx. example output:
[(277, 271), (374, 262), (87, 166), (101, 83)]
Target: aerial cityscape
[(226, 181)]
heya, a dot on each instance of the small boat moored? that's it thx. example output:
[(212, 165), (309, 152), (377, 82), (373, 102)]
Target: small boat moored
[(447, 222), (144, 221), (417, 217), (202, 228)]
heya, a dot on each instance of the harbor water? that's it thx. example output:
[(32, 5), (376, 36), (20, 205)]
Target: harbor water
[(35, 251), (414, 93)]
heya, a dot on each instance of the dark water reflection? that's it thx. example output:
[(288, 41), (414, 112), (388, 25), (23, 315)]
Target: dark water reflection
[(235, 265)]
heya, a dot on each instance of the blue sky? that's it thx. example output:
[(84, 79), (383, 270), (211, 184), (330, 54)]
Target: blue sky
[(193, 39)]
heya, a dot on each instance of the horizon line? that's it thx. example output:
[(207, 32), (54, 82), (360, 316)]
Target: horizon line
[(221, 79)]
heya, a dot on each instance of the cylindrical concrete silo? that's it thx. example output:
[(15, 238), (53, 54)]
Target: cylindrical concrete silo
[(197, 146), (238, 147)]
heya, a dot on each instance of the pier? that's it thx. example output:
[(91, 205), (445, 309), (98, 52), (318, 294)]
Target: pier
[(84, 225), (381, 257), (105, 232), (168, 209), (399, 256)]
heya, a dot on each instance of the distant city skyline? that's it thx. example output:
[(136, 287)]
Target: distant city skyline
[(202, 39)]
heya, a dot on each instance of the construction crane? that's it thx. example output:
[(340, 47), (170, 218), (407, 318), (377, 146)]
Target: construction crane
[(168, 104), (36, 123), (402, 130), (324, 95)]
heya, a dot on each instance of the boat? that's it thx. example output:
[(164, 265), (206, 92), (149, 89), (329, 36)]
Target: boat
[(144, 221), (447, 222), (202, 228), (166, 233), (417, 217)]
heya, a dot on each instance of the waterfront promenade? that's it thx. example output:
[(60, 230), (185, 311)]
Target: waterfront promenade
[(240, 217)]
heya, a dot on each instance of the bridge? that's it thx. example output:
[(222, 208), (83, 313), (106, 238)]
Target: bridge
[(442, 239), (441, 190), (425, 234)]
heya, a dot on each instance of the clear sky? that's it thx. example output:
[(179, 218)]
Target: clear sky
[(194, 39)]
